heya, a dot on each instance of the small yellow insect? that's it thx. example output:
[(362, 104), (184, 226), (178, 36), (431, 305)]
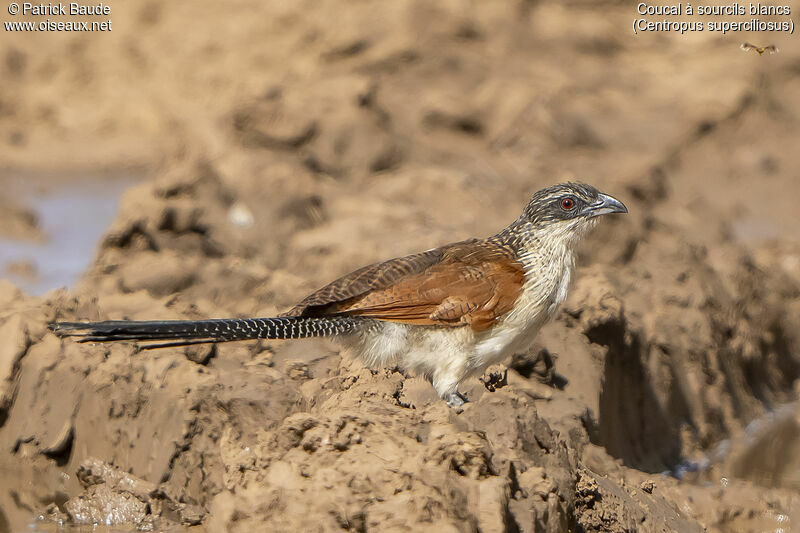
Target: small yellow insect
[(747, 47)]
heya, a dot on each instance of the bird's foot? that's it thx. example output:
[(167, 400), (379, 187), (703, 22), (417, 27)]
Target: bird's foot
[(455, 399)]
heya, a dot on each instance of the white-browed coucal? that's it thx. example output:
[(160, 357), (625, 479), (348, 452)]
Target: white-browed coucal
[(447, 313)]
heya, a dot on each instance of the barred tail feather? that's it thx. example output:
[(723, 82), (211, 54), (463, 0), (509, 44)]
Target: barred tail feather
[(184, 332)]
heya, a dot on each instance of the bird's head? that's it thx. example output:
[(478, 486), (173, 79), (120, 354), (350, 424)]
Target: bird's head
[(569, 209)]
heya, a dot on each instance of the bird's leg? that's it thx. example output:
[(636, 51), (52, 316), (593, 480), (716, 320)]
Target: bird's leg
[(447, 388), (455, 399)]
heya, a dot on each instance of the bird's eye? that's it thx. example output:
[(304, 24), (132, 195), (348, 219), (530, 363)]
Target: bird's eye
[(567, 203)]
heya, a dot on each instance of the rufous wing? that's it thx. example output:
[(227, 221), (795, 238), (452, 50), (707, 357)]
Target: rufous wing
[(469, 283)]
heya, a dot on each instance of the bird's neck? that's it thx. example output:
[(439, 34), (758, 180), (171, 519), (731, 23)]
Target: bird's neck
[(553, 241), (547, 257)]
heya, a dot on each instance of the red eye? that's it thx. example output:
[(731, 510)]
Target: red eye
[(567, 203)]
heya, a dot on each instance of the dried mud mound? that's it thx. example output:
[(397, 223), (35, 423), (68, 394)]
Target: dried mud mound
[(291, 436), (274, 169)]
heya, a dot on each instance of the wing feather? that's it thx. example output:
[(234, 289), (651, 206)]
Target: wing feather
[(468, 283)]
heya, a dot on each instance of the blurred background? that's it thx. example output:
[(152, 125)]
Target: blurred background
[(208, 159)]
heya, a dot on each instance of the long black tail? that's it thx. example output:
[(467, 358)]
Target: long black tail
[(185, 332)]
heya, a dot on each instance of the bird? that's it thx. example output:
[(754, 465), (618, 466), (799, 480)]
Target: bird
[(747, 47), (447, 313)]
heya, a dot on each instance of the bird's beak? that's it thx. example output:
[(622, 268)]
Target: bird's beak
[(604, 205)]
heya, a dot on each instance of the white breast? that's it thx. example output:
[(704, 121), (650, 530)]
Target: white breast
[(544, 291)]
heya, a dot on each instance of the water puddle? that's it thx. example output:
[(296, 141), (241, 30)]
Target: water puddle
[(73, 214), (767, 452)]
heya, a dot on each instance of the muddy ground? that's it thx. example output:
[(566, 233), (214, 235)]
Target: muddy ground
[(282, 144)]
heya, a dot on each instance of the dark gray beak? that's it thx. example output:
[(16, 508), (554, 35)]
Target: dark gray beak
[(605, 205)]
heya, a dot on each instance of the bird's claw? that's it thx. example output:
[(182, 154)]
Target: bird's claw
[(456, 399)]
